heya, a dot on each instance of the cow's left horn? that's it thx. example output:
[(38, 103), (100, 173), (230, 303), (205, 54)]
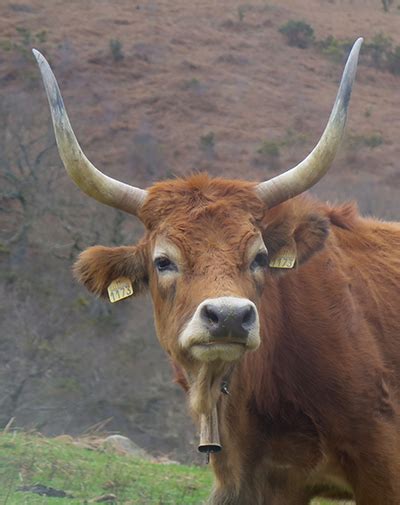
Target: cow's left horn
[(307, 173), (83, 173)]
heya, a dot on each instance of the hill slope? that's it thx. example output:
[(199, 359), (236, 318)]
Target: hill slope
[(154, 89), (31, 464)]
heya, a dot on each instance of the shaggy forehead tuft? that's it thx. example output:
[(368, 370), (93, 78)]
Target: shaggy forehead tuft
[(182, 199)]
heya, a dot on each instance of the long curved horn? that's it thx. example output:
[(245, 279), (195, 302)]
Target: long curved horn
[(307, 173), (82, 172)]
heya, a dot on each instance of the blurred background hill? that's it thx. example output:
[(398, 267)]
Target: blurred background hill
[(158, 89)]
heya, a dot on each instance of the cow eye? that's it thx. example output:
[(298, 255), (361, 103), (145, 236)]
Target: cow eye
[(260, 261), (164, 264)]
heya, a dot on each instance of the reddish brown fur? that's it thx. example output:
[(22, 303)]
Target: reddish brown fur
[(318, 403)]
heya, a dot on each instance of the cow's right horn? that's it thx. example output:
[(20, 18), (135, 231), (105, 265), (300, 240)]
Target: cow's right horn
[(307, 173), (85, 175)]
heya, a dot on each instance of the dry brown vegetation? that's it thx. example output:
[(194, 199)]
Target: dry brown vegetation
[(156, 89)]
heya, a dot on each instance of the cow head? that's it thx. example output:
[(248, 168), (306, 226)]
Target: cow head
[(207, 246)]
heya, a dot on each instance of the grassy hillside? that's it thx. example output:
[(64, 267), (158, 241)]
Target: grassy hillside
[(89, 475), (156, 89)]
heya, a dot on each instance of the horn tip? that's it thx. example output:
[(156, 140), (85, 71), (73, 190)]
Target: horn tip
[(40, 59), (349, 74), (358, 43), (37, 54), (53, 93)]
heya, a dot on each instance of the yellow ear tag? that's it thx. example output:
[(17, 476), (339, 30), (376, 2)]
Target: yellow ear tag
[(119, 289), (284, 258)]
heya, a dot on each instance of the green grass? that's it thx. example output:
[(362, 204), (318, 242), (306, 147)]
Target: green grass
[(87, 474), (27, 459)]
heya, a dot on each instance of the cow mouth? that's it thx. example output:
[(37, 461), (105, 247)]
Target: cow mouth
[(218, 343), (216, 350)]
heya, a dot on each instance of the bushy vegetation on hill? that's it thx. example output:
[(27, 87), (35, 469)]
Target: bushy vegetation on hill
[(298, 33), (379, 51)]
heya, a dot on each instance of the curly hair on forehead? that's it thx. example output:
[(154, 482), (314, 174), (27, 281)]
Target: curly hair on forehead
[(199, 194)]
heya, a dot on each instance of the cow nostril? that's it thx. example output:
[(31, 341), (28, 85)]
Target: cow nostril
[(210, 314), (229, 320), (249, 317)]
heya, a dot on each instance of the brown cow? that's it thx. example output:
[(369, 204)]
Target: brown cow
[(314, 410)]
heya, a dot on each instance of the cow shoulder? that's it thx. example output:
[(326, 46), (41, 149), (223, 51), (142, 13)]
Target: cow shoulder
[(98, 266)]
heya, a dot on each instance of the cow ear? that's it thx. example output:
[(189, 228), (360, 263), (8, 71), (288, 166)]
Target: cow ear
[(98, 266), (293, 236)]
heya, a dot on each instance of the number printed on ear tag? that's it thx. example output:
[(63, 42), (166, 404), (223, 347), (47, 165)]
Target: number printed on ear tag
[(119, 289), (285, 258)]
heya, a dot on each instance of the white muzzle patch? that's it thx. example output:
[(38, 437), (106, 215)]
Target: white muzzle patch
[(222, 328)]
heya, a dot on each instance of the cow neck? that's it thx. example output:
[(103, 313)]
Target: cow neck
[(225, 382), (208, 420)]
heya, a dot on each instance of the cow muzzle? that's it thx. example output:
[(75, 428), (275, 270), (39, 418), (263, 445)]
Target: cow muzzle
[(222, 328)]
